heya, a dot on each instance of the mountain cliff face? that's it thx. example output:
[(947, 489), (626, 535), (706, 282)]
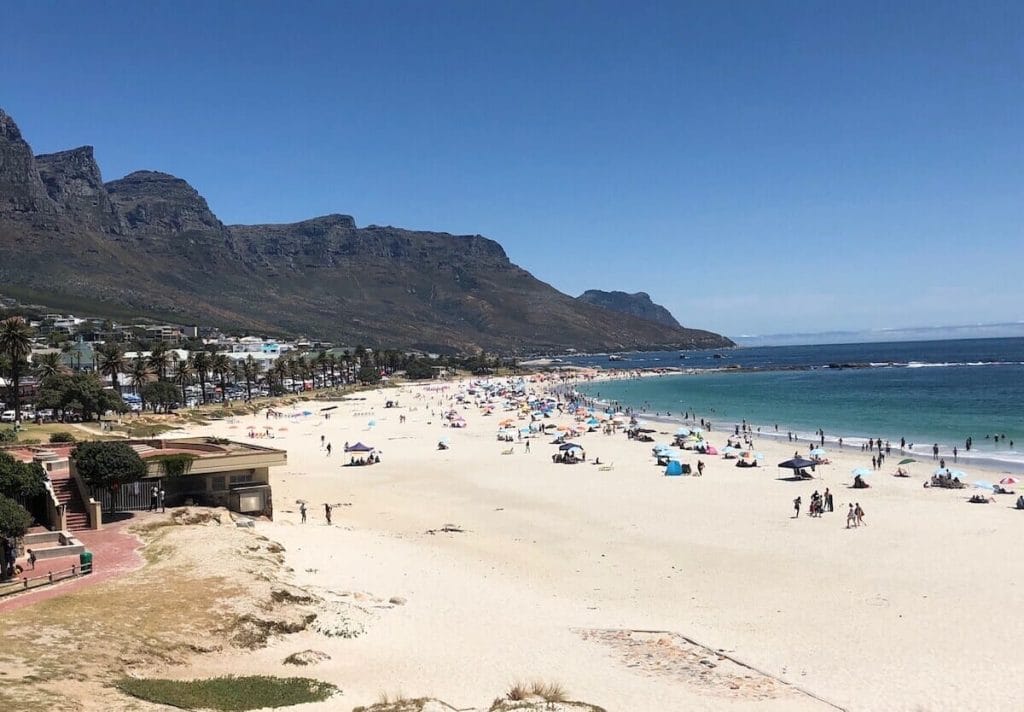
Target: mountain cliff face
[(638, 305), (73, 183), (148, 244)]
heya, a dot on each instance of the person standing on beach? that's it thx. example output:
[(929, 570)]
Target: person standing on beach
[(328, 449), (851, 517), (700, 468), (327, 513), (321, 442), (527, 446), (796, 506), (955, 451), (302, 511), (874, 463), (828, 500), (859, 514)]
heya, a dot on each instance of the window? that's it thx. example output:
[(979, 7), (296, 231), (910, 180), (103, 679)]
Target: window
[(218, 484), (241, 479)]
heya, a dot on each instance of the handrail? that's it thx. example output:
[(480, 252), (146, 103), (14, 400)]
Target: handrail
[(19, 585)]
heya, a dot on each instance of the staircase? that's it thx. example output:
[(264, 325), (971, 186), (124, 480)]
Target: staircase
[(67, 495)]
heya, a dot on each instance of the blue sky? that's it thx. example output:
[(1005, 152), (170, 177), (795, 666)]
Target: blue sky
[(757, 167)]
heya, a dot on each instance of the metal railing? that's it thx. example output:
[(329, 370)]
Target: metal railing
[(27, 583)]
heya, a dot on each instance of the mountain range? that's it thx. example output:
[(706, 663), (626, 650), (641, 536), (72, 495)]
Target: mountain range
[(148, 245)]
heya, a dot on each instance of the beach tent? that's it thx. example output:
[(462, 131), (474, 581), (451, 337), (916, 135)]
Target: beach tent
[(797, 463), (360, 447), (569, 446), (674, 468)]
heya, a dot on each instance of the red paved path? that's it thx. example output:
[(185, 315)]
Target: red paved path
[(114, 553)]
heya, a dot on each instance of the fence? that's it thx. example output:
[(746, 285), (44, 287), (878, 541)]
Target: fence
[(132, 497), (25, 583)]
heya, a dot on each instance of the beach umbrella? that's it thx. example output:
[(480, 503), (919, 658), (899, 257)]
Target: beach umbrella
[(797, 463), (939, 471), (906, 461), (862, 471), (818, 451), (683, 431), (569, 446), (983, 485), (728, 450), (748, 454), (958, 474), (1010, 480)]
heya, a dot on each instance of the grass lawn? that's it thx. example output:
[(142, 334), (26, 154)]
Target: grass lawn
[(41, 433), (228, 693)]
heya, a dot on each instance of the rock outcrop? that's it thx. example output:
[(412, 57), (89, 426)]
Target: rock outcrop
[(74, 184), (638, 305), (22, 194)]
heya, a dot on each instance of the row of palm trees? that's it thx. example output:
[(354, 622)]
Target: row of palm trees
[(331, 369)]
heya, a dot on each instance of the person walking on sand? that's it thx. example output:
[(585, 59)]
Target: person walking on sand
[(321, 442), (700, 468), (527, 446), (828, 500), (327, 513), (860, 515), (302, 511), (796, 507), (328, 449), (851, 518)]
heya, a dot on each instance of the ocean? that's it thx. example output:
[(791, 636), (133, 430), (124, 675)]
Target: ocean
[(924, 391)]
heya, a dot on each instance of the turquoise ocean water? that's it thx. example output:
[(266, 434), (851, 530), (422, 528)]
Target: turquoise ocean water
[(927, 392)]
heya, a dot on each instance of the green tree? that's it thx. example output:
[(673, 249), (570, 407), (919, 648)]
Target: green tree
[(14, 519), (159, 359), (141, 373), (20, 479), (108, 465), (250, 371), (183, 377), (160, 394), (222, 367), (368, 375), (16, 345), (111, 362), (48, 364), (201, 362)]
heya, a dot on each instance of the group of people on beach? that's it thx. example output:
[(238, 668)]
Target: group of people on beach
[(821, 503)]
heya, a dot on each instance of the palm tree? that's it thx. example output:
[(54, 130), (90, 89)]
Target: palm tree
[(250, 371), (183, 377), (140, 374), (221, 366), (201, 362), (159, 359), (321, 362), (279, 371), (110, 359), (16, 345), (49, 364)]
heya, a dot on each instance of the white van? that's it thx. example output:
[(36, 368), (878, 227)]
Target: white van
[(7, 416)]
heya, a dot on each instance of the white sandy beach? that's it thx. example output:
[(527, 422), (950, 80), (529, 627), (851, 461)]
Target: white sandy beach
[(915, 611)]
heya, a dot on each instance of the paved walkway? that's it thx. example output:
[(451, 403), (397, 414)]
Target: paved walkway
[(114, 553)]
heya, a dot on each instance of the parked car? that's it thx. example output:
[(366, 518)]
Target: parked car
[(7, 416)]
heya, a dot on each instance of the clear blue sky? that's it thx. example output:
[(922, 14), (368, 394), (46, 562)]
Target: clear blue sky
[(756, 166)]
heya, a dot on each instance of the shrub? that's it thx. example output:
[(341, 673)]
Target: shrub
[(232, 694), (62, 437)]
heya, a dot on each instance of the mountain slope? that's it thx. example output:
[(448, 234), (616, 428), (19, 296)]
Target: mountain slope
[(148, 244)]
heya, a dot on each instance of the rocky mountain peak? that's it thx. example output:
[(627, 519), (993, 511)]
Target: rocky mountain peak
[(73, 182), (152, 202), (638, 304), (22, 195)]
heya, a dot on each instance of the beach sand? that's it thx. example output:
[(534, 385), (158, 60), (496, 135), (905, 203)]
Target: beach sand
[(558, 567)]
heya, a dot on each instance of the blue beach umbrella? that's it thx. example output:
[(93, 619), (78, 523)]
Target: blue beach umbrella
[(818, 451), (960, 474), (941, 471), (683, 431), (862, 471), (983, 485)]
